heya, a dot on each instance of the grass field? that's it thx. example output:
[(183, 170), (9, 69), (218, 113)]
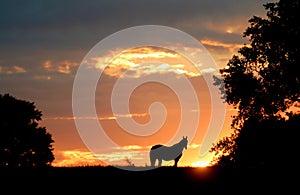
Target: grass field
[(163, 180)]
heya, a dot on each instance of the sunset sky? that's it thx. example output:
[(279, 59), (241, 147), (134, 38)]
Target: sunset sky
[(43, 44)]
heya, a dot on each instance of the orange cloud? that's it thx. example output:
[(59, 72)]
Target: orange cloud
[(144, 61), (231, 46), (60, 67), (47, 65), (69, 158), (12, 69), (98, 118), (117, 156), (231, 27)]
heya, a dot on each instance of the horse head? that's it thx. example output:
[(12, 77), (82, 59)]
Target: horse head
[(184, 141)]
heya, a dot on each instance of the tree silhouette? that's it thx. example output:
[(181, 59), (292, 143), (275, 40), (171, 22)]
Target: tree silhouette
[(22, 142), (262, 83)]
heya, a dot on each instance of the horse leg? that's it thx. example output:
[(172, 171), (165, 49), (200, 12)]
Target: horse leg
[(175, 163), (176, 160), (152, 161), (159, 162)]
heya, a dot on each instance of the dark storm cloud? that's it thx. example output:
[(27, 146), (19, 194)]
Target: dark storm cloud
[(73, 23)]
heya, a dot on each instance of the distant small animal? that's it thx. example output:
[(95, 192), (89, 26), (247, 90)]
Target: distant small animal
[(161, 152)]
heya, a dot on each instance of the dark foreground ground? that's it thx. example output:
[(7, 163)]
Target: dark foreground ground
[(163, 180)]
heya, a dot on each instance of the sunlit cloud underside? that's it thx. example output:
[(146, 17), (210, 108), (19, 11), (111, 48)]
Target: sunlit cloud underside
[(143, 61)]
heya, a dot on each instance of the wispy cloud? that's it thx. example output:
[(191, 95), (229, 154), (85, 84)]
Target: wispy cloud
[(194, 146), (226, 27), (98, 118), (119, 158), (63, 67), (12, 69), (230, 46)]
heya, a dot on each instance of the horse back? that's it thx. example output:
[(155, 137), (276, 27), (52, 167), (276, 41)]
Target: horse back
[(156, 146)]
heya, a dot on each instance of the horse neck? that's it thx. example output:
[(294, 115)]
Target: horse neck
[(178, 146)]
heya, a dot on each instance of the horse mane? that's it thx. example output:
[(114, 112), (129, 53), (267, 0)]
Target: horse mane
[(156, 146)]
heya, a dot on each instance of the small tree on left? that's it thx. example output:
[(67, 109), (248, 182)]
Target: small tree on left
[(23, 143)]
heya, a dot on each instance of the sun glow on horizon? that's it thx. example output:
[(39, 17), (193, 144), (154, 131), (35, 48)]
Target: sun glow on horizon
[(201, 164)]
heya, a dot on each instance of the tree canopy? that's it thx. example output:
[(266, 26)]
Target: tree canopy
[(262, 82), (23, 143)]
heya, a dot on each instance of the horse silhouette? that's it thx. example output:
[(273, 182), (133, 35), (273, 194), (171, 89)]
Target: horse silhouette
[(167, 153)]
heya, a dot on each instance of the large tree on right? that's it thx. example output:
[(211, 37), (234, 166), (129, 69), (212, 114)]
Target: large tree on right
[(262, 82)]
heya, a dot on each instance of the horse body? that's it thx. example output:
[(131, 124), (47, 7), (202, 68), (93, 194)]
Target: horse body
[(160, 152)]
